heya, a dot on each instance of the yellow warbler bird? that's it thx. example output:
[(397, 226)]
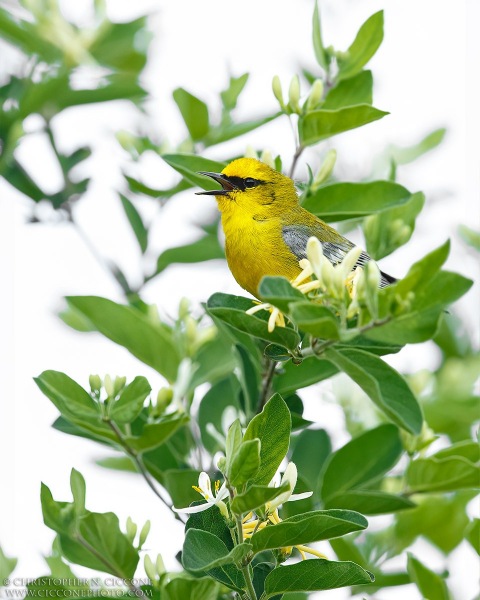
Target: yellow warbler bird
[(266, 229)]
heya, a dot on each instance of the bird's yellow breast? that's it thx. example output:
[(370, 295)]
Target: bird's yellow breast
[(255, 248)]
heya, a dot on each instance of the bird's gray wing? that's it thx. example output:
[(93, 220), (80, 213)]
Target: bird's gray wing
[(296, 238)]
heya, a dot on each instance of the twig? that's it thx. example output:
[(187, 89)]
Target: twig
[(266, 384), (296, 156), (139, 464)]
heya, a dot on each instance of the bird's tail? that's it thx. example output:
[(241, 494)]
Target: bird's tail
[(386, 279)]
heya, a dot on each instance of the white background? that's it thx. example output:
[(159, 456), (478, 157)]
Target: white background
[(426, 76)]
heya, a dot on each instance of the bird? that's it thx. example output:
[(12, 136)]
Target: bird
[(266, 229)]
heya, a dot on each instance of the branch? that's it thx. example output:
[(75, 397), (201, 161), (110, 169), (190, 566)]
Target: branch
[(266, 384)]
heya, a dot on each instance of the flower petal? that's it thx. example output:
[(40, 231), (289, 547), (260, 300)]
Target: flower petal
[(301, 496), (189, 510)]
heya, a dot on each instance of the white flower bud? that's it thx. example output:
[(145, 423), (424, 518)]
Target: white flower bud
[(315, 96), (119, 384), (325, 170), (160, 565), (131, 529), (150, 569), (315, 255), (144, 533), (183, 308), (373, 275), (95, 383), (294, 95), (108, 385), (277, 91), (267, 158), (250, 152)]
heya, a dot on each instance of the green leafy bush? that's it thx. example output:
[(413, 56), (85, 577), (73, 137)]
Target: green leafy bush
[(242, 530)]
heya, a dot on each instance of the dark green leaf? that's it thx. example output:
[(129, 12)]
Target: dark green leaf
[(315, 574), (472, 535), (361, 461), (214, 360), (136, 223), (212, 407), (131, 400), (219, 306), (203, 551), (156, 434), (255, 497), (272, 427), (316, 320), (319, 125), (369, 502), (128, 327), (279, 292), (311, 450), (442, 474), (68, 397), (249, 379), (310, 371), (245, 463), (350, 92), (178, 483), (363, 47), (340, 201), (182, 588), (307, 528), (385, 386), (194, 112)]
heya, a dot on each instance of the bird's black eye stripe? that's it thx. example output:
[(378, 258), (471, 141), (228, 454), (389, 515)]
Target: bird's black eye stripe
[(243, 184)]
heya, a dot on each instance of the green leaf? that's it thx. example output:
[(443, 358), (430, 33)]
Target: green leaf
[(318, 47), (79, 490), (317, 320), (136, 223), (100, 544), (249, 378), (245, 463), (369, 502), (272, 427), (309, 371), (307, 528), (279, 292), (314, 574), (467, 449), (219, 306), (470, 236), (156, 434), (319, 125), (68, 397), (431, 585), (206, 248), (194, 112), (235, 87), (472, 535), (128, 327), (392, 228), (403, 156), (7, 565), (178, 483), (255, 497), (310, 452), (385, 386), (363, 47), (363, 460), (232, 443), (441, 519), (228, 131), (131, 400), (340, 201), (442, 474), (182, 588), (350, 92), (214, 360), (203, 551), (188, 165)]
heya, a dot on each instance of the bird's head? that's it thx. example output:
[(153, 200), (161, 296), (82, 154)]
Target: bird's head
[(253, 188)]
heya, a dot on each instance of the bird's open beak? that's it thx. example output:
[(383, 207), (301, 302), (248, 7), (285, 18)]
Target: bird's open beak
[(227, 186)]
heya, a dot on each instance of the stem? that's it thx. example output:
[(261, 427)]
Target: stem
[(266, 384), (251, 594), (111, 568), (296, 156), (139, 464)]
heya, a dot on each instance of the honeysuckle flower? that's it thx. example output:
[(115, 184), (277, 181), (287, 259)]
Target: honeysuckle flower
[(289, 476), (276, 317), (213, 497)]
